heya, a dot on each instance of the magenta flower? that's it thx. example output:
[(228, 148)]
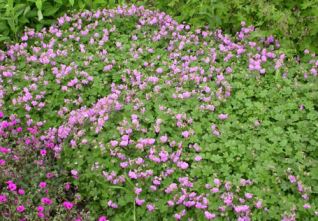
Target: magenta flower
[(3, 198), (102, 218), (40, 208), (41, 215), (21, 192), (46, 201), (11, 186), (21, 209), (68, 205), (43, 152), (4, 150), (2, 162), (42, 185)]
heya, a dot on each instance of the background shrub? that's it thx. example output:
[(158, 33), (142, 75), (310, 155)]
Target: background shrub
[(295, 23), (16, 14)]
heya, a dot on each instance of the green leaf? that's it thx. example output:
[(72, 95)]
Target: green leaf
[(50, 10), (38, 4), (40, 15)]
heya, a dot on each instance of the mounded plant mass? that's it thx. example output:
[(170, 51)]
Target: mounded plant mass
[(124, 114)]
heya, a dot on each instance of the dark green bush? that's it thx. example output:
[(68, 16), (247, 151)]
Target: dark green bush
[(16, 14), (295, 23)]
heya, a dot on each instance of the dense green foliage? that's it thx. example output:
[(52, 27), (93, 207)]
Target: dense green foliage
[(294, 23), (155, 120)]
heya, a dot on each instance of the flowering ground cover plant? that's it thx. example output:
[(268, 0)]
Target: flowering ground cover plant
[(126, 114)]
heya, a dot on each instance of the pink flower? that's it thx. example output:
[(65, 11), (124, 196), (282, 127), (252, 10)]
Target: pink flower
[(138, 190), (41, 215), (139, 161), (198, 158), (42, 185), (74, 174), (223, 116), (67, 186), (2, 162), (241, 209), (49, 175), (43, 152), (229, 70), (171, 188), (159, 70), (132, 175), (300, 187), (215, 190), (40, 208), (139, 202), (111, 204), (21, 209), (124, 164), (182, 165), (46, 201), (21, 191), (1, 114), (114, 143), (177, 216), (170, 203), (150, 207), (3, 198), (11, 186), (5, 150), (185, 134), (68, 205), (217, 182), (258, 204), (209, 216), (102, 218), (292, 178), (248, 195), (307, 206), (163, 139)]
